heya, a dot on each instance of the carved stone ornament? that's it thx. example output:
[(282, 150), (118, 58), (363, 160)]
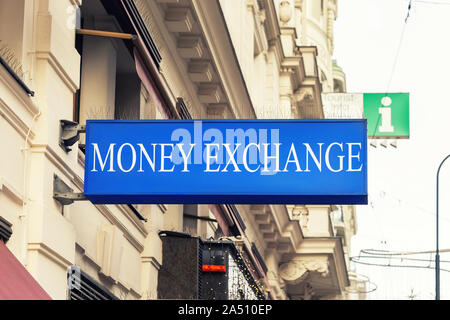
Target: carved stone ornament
[(262, 16), (296, 271), (304, 93), (285, 11), (304, 219)]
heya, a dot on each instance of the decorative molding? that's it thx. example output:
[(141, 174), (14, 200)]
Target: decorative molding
[(135, 292), (190, 47), (294, 68), (11, 192), (153, 261), (107, 213), (213, 26), (179, 19), (299, 213), (200, 71), (10, 115), (109, 250), (87, 256), (173, 67), (79, 183), (209, 93), (54, 158), (283, 247), (330, 21), (259, 18), (133, 218), (218, 111), (58, 68), (271, 22), (50, 253)]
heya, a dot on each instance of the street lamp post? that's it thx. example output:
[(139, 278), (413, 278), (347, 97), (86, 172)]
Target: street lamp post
[(438, 281)]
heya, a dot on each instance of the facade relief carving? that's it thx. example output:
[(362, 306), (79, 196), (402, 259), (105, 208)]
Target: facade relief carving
[(299, 213), (304, 94), (285, 12), (297, 270)]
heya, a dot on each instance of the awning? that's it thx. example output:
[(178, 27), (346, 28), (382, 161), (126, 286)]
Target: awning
[(16, 283)]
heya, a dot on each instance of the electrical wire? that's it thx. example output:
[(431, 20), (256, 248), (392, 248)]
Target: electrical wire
[(409, 10), (384, 254), (410, 204), (392, 253), (399, 47), (399, 258), (432, 2), (397, 54), (396, 255), (395, 266)]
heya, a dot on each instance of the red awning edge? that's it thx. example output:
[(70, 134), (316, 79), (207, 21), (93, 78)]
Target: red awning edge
[(16, 283)]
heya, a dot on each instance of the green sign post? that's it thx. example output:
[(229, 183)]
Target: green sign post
[(387, 115)]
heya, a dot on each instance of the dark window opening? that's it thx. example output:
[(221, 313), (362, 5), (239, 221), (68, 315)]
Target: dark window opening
[(190, 219), (110, 86), (83, 287), (5, 229)]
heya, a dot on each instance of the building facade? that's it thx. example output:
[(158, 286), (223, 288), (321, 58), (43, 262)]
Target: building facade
[(75, 60)]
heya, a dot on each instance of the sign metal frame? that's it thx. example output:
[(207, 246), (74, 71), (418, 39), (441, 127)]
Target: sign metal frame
[(262, 189)]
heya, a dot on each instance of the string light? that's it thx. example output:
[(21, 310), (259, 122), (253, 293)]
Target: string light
[(241, 283)]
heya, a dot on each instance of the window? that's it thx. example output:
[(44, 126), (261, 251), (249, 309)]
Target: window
[(338, 86), (110, 85)]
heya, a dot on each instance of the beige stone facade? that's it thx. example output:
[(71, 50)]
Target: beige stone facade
[(220, 59)]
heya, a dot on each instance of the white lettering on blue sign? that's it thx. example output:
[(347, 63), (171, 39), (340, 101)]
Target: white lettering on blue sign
[(226, 161), (112, 157)]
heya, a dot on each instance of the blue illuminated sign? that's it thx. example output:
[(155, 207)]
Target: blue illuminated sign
[(226, 161)]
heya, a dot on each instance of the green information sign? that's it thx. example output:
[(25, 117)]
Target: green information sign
[(387, 115)]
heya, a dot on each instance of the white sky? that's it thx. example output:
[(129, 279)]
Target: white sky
[(402, 181)]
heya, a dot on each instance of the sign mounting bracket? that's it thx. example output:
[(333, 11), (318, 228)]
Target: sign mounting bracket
[(64, 194), (70, 133)]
